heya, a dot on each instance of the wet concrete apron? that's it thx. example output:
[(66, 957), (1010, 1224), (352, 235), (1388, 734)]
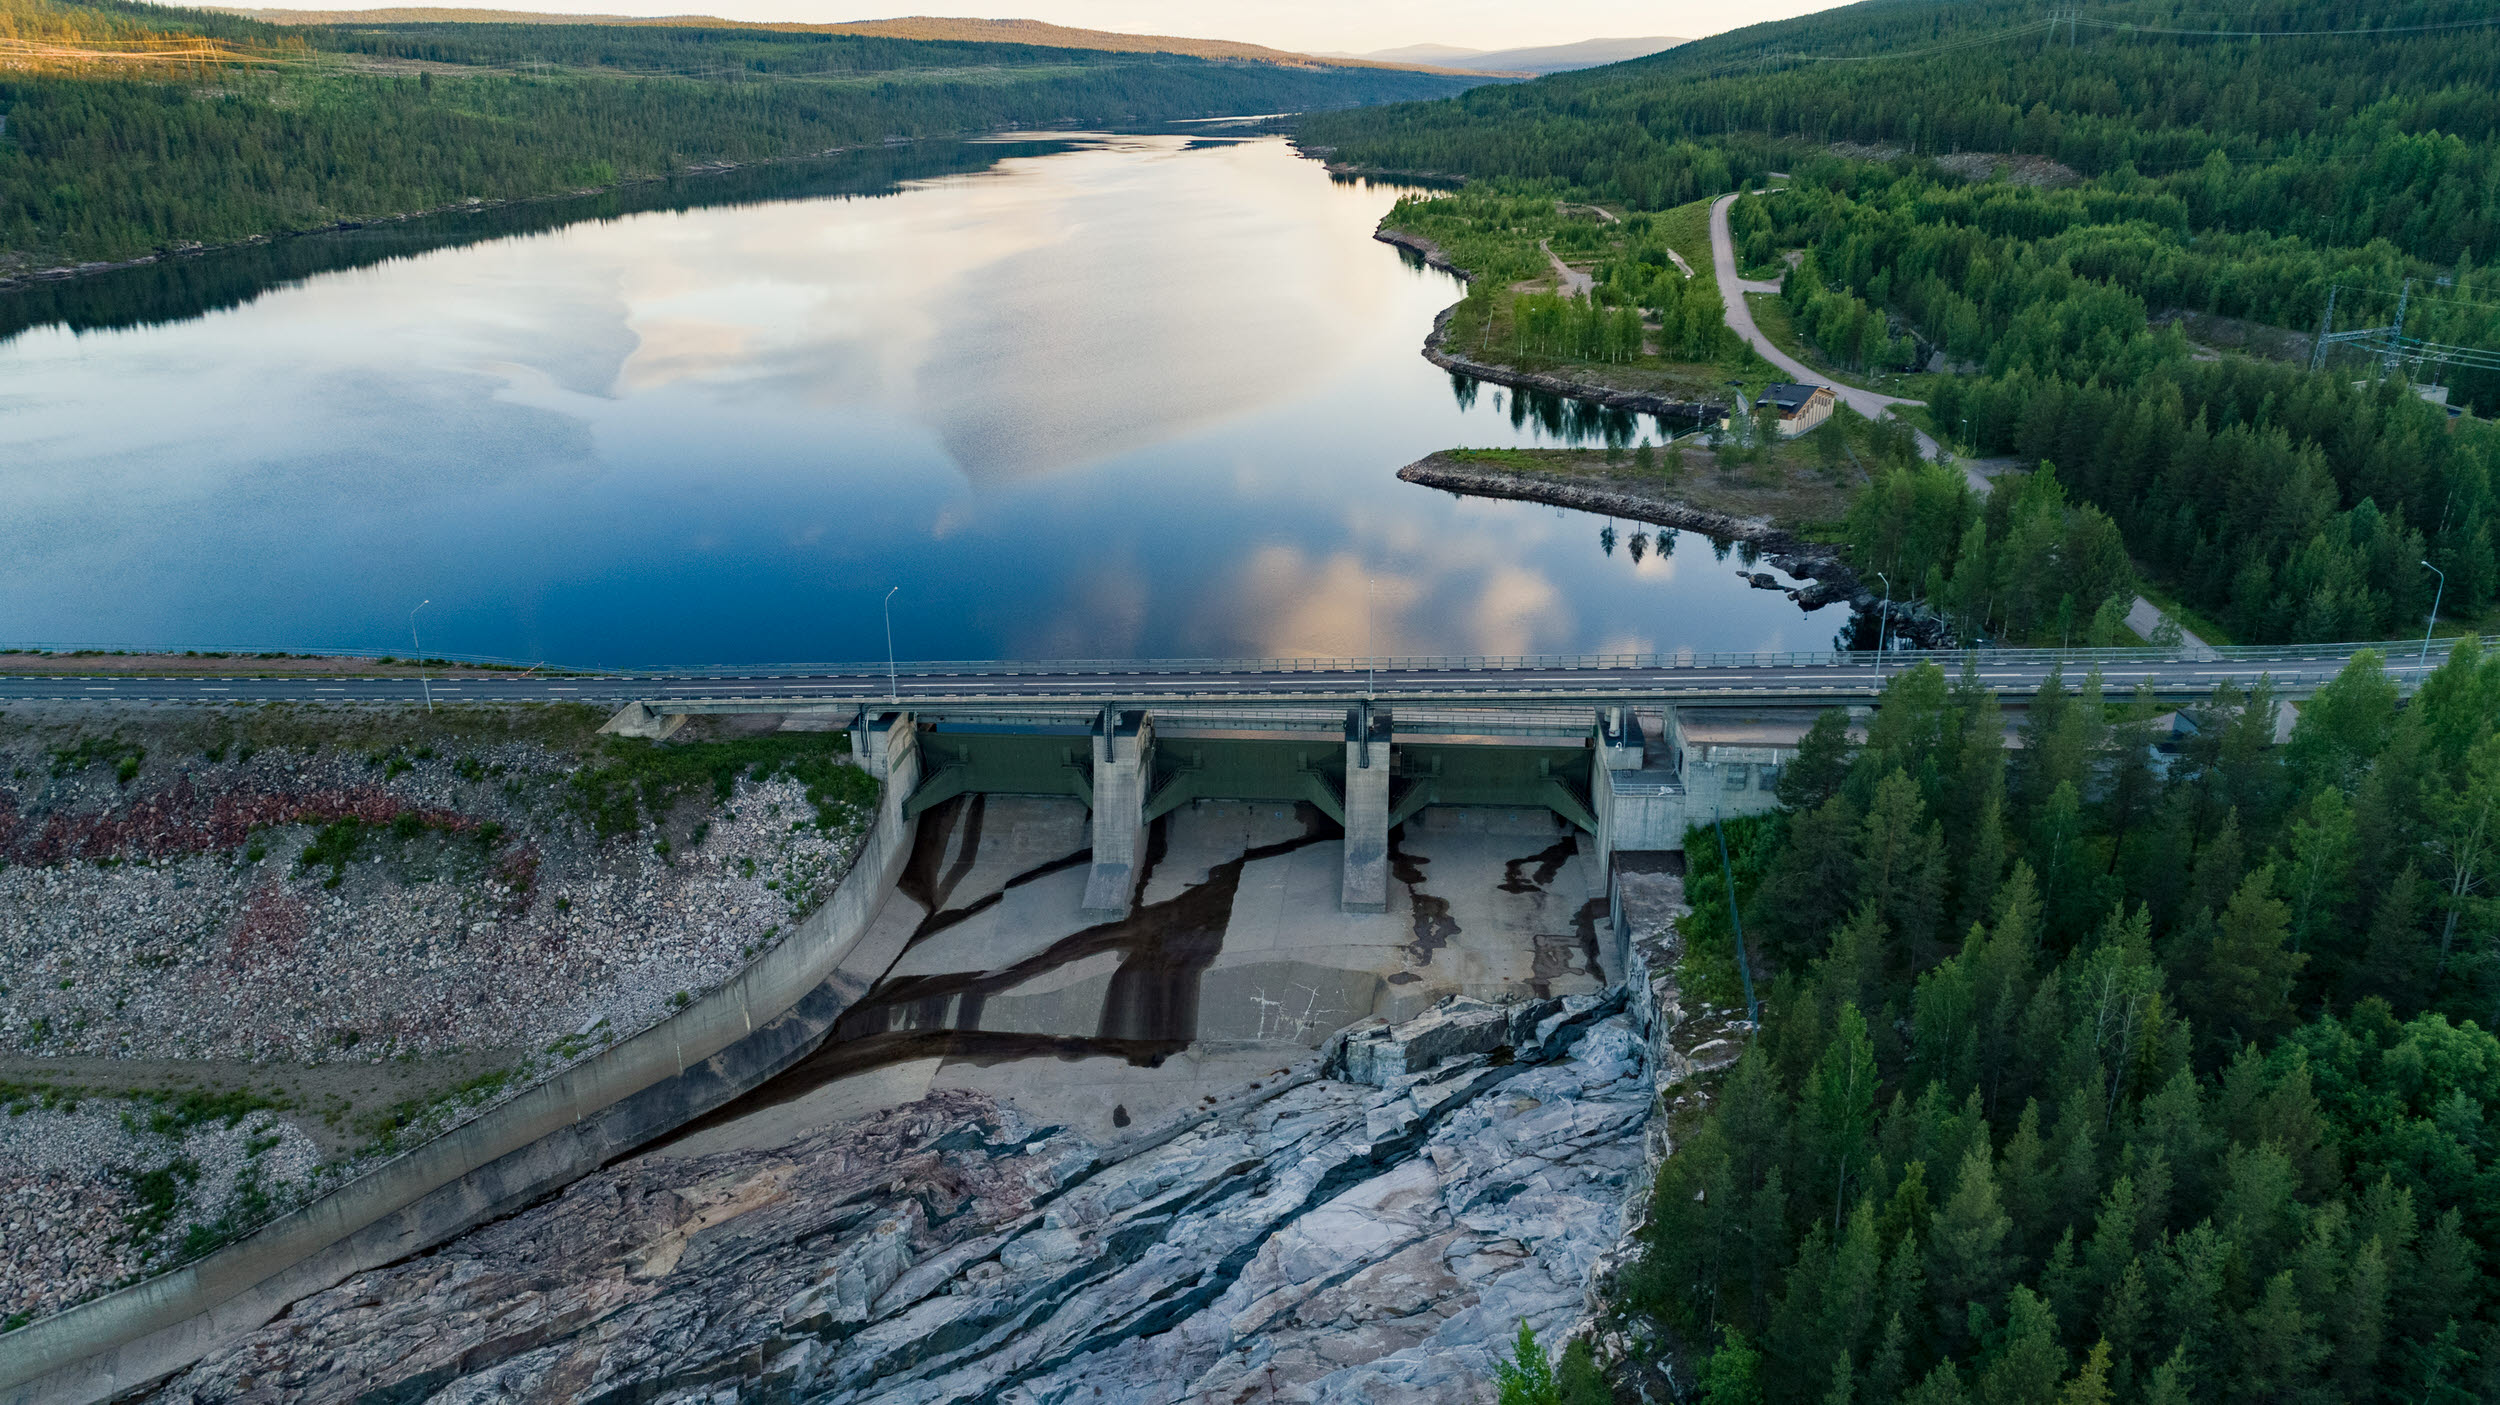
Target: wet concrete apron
[(1150, 1009)]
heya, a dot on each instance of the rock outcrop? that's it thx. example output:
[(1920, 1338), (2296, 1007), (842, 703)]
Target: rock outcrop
[(1310, 1239), (1817, 562)]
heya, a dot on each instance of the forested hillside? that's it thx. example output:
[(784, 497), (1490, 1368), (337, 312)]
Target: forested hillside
[(2102, 1074), (126, 129), (2147, 1059), (2145, 167)]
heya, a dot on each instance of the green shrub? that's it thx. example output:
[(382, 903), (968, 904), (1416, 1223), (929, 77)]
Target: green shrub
[(640, 780)]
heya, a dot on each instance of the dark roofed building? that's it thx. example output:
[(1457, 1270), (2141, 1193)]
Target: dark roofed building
[(1800, 407)]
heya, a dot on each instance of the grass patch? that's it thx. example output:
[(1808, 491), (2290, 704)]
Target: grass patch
[(158, 1194), (1686, 229), (1522, 460), (313, 727), (22, 1098), (122, 755), (638, 779), (391, 1128), (1501, 237), (337, 843), (179, 1113)]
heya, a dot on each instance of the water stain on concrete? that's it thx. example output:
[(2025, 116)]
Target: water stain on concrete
[(1433, 924), (1548, 860), (1584, 925), (921, 882), (922, 878), (1149, 1012)]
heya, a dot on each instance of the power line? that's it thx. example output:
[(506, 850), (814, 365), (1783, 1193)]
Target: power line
[(2071, 20), (2486, 22)]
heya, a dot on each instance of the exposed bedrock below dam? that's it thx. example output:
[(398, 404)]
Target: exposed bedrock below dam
[(1048, 1159)]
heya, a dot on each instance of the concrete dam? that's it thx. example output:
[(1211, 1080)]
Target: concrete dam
[(1142, 903), (1121, 930)]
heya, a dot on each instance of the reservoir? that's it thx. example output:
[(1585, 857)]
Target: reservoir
[(1080, 397)]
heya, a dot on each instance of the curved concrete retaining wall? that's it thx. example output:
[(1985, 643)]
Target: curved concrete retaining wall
[(723, 1044)]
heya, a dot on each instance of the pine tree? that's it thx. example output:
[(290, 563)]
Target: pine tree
[(1822, 763), (1967, 1258), (1527, 1378), (1732, 1374), (2030, 1363), (1837, 1109)]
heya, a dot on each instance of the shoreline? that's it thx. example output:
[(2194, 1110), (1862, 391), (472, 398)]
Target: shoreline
[(1694, 413), (187, 663), (1834, 581), (70, 272)]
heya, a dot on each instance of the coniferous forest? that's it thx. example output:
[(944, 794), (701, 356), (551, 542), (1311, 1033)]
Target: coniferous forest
[(2092, 1071), (2138, 1054), (2026, 209), (127, 129)]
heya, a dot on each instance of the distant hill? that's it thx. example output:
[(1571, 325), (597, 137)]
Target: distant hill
[(1550, 58), (125, 137), (1436, 54), (917, 27)]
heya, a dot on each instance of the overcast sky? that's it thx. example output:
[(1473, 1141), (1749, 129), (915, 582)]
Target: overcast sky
[(1354, 26)]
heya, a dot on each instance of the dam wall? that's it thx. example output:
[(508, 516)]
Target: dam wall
[(721, 1045)]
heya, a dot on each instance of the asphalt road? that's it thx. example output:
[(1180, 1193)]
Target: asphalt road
[(1147, 683), (1872, 404)]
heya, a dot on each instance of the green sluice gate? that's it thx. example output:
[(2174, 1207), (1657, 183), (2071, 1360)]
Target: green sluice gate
[(1283, 770)]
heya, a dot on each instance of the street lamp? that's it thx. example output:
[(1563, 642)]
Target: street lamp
[(1370, 666), (2425, 660), (893, 686), (1884, 627), (420, 659)]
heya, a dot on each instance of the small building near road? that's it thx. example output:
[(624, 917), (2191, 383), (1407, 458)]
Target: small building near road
[(1800, 407)]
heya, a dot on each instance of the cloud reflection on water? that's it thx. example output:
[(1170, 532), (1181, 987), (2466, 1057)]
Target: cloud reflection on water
[(1137, 397)]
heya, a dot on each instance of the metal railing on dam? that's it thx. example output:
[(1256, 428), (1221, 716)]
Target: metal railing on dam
[(2401, 655)]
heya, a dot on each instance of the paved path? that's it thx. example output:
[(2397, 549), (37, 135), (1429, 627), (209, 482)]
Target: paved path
[(2142, 617), (1575, 284), (1732, 290)]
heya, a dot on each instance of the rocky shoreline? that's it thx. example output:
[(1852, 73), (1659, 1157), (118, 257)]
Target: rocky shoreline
[(1685, 412), (1834, 581)]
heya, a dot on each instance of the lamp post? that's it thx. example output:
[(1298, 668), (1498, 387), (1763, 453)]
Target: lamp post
[(893, 686), (1370, 666), (2425, 660), (420, 659), (1883, 628)]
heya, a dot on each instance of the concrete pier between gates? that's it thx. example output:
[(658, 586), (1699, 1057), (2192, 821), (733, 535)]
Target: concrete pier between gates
[(1123, 766), (1367, 772)]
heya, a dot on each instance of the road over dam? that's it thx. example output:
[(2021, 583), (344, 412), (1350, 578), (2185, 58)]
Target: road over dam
[(1803, 677)]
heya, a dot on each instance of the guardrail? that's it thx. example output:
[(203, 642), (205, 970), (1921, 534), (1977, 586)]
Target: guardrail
[(2401, 654)]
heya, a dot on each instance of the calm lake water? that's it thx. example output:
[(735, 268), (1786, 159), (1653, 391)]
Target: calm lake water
[(1081, 397)]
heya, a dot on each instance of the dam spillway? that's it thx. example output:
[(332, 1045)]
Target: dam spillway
[(1274, 876)]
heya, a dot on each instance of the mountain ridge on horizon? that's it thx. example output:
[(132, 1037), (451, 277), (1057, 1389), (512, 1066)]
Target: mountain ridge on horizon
[(1538, 59), (1039, 33)]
